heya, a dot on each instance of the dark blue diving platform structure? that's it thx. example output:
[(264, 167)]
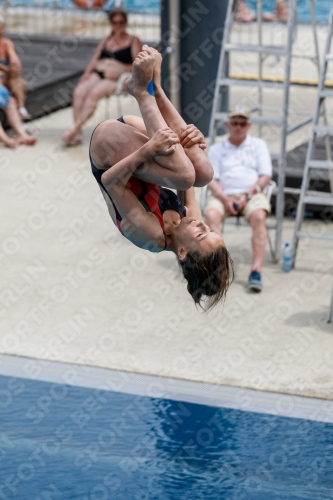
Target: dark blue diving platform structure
[(52, 66)]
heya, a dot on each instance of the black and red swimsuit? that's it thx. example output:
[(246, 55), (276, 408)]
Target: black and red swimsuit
[(155, 199)]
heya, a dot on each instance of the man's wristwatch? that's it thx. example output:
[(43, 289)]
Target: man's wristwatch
[(248, 196)]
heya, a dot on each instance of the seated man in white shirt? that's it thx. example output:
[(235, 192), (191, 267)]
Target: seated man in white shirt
[(242, 168)]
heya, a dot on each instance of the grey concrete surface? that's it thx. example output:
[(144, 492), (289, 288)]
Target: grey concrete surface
[(73, 290), (221, 396)]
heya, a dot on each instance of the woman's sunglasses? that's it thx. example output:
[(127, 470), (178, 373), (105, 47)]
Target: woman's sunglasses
[(119, 23)]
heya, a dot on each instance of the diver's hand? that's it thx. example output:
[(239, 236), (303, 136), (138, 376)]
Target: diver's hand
[(190, 136), (163, 142)]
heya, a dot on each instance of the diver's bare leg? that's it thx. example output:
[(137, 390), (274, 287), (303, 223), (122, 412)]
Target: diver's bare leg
[(137, 85), (112, 141), (202, 166), (167, 109)]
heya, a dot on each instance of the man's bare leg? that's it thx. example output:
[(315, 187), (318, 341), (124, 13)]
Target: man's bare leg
[(257, 221), (214, 220)]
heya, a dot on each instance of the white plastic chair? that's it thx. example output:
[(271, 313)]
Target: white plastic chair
[(268, 191), (118, 93)]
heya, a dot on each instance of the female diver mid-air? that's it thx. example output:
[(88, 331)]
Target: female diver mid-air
[(131, 158)]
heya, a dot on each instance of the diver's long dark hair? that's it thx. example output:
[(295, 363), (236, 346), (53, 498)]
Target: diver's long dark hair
[(208, 275)]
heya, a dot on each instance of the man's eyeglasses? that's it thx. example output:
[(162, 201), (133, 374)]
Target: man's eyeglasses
[(241, 124), (119, 23)]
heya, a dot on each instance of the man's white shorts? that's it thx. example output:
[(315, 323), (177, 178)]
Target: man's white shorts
[(258, 201)]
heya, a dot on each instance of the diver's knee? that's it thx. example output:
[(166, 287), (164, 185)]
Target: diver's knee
[(187, 178), (203, 177)]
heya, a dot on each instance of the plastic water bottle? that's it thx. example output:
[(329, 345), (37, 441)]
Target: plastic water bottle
[(287, 258)]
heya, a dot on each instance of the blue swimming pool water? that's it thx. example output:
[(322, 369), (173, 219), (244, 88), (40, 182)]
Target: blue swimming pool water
[(152, 6), (322, 6), (65, 442)]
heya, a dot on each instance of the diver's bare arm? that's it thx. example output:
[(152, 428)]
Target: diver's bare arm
[(197, 156), (122, 171), (167, 109), (163, 143), (193, 209)]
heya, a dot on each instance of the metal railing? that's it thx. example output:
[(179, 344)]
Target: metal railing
[(63, 17)]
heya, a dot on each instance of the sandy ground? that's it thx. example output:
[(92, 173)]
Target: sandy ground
[(74, 290)]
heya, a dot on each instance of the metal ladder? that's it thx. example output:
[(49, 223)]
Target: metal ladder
[(218, 118), (318, 131)]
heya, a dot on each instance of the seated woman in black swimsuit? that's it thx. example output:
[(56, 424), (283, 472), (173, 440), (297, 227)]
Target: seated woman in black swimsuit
[(132, 158), (113, 56)]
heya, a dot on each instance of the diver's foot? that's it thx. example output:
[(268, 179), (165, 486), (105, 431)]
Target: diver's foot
[(142, 73), (157, 66)]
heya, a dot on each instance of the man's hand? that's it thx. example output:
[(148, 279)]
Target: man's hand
[(234, 205), (241, 202), (190, 136), (230, 203), (163, 142)]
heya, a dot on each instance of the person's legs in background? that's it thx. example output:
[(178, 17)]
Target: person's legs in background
[(18, 89), (80, 94), (4, 102), (84, 104), (214, 213), (214, 220), (255, 212), (15, 122), (257, 220), (243, 13), (8, 141)]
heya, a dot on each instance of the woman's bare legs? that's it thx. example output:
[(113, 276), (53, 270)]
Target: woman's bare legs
[(80, 94), (112, 68), (8, 141), (18, 88), (15, 122), (85, 105), (102, 88)]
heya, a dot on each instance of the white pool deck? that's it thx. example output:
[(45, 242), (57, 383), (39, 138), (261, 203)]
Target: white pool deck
[(74, 290)]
